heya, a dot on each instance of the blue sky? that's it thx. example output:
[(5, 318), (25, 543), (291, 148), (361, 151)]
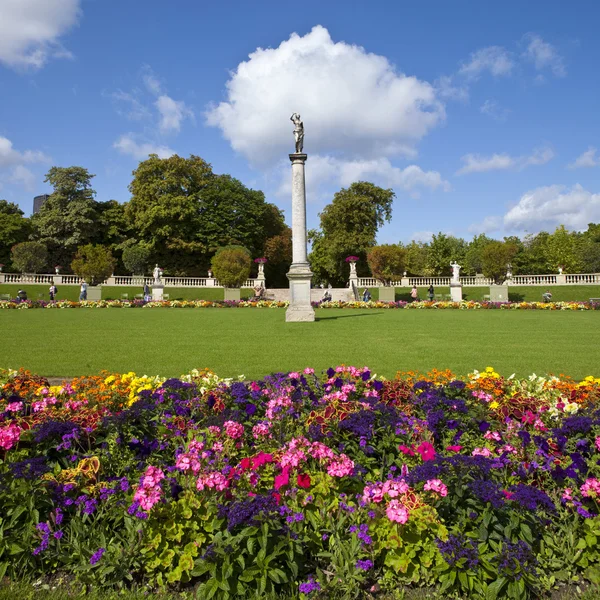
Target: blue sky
[(482, 116)]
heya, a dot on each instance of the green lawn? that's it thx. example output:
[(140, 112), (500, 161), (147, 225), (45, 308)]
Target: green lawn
[(527, 293), (255, 342)]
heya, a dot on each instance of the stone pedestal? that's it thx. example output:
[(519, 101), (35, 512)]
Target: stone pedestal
[(232, 294), (456, 292), (387, 294), (300, 275), (498, 293), (157, 292), (561, 279), (94, 292)]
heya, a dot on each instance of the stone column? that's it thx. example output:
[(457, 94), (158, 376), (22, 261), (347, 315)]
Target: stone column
[(299, 275)]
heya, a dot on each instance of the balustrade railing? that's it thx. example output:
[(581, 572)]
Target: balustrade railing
[(533, 280)]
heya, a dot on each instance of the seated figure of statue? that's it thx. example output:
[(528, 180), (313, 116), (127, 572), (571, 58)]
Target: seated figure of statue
[(259, 291)]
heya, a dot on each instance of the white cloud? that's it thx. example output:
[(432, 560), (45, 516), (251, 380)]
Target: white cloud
[(135, 111), (548, 207), (476, 163), (495, 59), (12, 164), (327, 173), (488, 225), (543, 55), (447, 88), (30, 30), (172, 113), (127, 144), (151, 81), (492, 109), (351, 101), (587, 159), (422, 236)]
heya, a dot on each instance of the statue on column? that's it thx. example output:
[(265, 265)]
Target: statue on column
[(298, 132), (157, 274)]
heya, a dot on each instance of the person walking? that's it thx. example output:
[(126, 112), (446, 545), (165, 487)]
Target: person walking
[(414, 293), (430, 292), (366, 295), (83, 291), (146, 292), (53, 291)]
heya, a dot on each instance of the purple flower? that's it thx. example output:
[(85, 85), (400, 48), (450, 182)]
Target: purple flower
[(364, 565), (310, 586), (97, 556)]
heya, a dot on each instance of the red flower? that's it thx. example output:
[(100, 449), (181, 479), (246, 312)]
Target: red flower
[(406, 450), (282, 479), (277, 497), (245, 464), (303, 481), (454, 448), (427, 451)]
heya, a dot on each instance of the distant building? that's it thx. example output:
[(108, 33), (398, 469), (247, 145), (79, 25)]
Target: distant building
[(38, 201)]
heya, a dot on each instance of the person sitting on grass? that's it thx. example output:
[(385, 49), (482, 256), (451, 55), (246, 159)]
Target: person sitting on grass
[(547, 296), (21, 295), (327, 297)]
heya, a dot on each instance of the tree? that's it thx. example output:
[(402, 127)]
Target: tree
[(495, 258), (185, 213), (443, 250), (562, 250), (589, 249), (68, 219), (29, 257), (94, 263), (278, 251), (231, 266), (14, 228), (386, 262), (535, 256), (113, 229), (417, 259), (135, 258), (349, 226), (473, 261)]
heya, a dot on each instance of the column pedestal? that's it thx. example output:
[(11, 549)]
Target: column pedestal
[(157, 292), (456, 292)]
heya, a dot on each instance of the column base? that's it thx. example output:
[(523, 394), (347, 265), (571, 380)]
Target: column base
[(300, 309)]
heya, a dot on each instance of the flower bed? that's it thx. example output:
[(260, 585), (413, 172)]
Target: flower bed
[(464, 305), (318, 485)]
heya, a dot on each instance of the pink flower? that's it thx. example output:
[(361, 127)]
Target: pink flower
[(397, 512), (294, 375), (261, 459), (427, 451), (395, 488), (233, 429), (598, 443), (437, 487), (591, 488), (492, 435), (406, 450), (309, 371), (214, 481), (342, 467), (481, 452), (261, 430), (454, 448), (9, 436), (567, 494), (373, 493), (14, 406), (282, 479), (149, 491), (214, 430)]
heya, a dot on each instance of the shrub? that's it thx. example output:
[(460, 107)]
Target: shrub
[(135, 258), (29, 257), (93, 262), (231, 265), (495, 258), (386, 262)]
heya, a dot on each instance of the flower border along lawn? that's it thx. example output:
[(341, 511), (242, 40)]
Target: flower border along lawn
[(303, 485), (255, 341)]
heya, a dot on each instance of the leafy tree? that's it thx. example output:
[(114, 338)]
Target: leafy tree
[(231, 266), (589, 249), (535, 257), (443, 250), (473, 261), (417, 259), (113, 230), (29, 257), (386, 262), (495, 258), (562, 250), (14, 228), (94, 263), (278, 251), (349, 226), (185, 213), (135, 258), (68, 219)]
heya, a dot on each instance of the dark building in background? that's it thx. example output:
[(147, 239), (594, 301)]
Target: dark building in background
[(38, 201)]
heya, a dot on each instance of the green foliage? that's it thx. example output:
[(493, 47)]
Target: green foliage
[(386, 262), (442, 251), (562, 251), (135, 258), (68, 219), (349, 226), (278, 251), (29, 257), (14, 229), (473, 260), (231, 265), (495, 258), (93, 263), (417, 263)]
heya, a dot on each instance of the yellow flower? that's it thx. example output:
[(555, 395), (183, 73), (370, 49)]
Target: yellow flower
[(494, 405)]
